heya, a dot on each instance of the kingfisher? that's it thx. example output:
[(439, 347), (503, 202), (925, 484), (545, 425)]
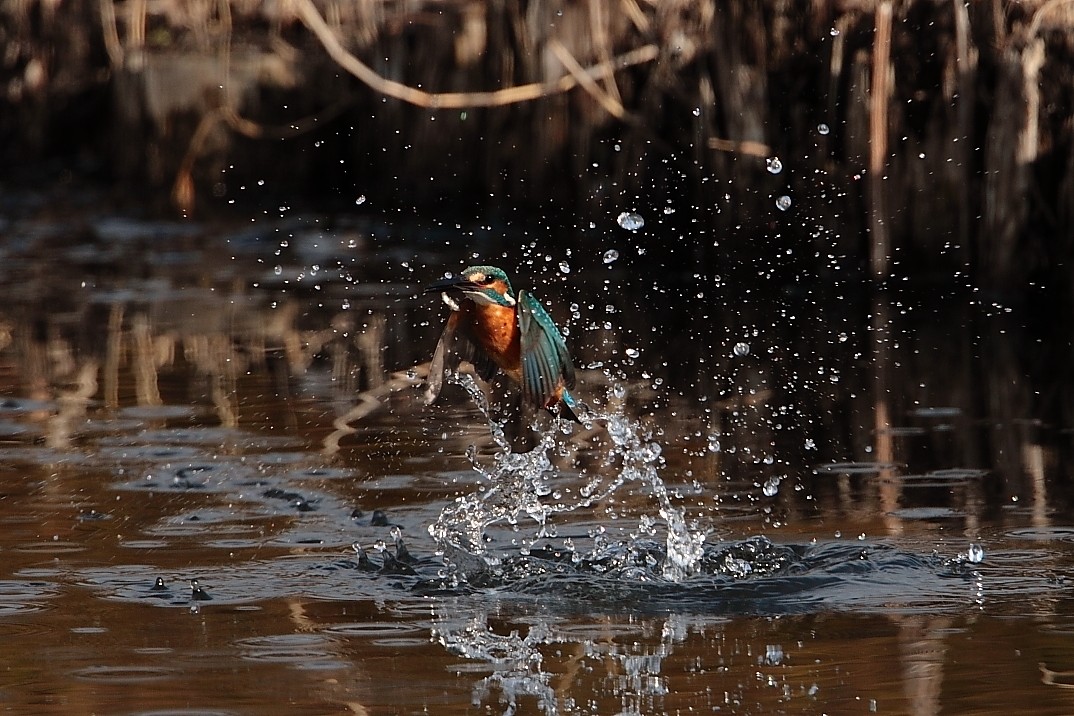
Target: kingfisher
[(508, 332)]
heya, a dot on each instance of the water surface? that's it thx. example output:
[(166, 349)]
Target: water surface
[(222, 493)]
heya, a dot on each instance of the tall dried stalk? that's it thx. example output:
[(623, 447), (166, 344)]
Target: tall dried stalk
[(879, 94)]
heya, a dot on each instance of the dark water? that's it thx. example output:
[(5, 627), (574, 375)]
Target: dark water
[(874, 484)]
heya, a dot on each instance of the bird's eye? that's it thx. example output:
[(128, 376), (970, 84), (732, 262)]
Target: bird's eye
[(484, 280)]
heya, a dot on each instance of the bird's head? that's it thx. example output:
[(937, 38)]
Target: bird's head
[(480, 284)]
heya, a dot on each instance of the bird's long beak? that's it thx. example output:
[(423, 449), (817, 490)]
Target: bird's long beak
[(456, 283), (451, 290)]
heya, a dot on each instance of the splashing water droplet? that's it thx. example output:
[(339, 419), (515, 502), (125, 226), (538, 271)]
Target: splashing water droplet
[(632, 352), (514, 484), (360, 200), (774, 165), (771, 487), (631, 221), (783, 203), (741, 349), (610, 255), (975, 554), (823, 128), (564, 267)]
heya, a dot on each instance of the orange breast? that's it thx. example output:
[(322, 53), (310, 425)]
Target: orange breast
[(495, 330)]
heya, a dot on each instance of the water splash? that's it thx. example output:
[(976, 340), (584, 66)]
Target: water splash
[(517, 486), (512, 488), (640, 457)]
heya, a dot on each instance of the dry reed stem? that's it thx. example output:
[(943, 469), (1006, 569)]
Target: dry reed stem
[(880, 90), (110, 31), (607, 101), (316, 24), (756, 149), (1038, 16), (637, 17), (966, 57), (602, 43), (136, 23)]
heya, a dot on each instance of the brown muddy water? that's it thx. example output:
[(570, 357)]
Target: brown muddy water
[(800, 498)]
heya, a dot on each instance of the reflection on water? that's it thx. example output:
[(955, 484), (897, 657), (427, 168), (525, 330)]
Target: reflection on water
[(222, 492)]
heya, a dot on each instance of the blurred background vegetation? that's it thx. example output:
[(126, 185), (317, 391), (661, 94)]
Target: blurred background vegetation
[(905, 137)]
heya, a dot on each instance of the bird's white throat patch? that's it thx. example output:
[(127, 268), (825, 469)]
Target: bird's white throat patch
[(484, 299)]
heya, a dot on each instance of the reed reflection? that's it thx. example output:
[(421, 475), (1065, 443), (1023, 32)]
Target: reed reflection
[(189, 347), (930, 402)]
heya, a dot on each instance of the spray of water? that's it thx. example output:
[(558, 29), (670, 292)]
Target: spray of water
[(517, 486)]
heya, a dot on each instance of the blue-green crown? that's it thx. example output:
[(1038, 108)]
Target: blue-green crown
[(492, 272)]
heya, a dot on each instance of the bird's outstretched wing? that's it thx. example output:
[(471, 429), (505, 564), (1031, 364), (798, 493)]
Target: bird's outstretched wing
[(546, 365), (435, 381), (452, 348)]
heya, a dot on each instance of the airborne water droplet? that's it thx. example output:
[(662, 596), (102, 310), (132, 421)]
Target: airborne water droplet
[(564, 267), (823, 128), (783, 203), (631, 221), (741, 349), (610, 255), (774, 165)]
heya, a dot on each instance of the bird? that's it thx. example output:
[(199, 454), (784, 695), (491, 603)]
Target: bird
[(504, 332)]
